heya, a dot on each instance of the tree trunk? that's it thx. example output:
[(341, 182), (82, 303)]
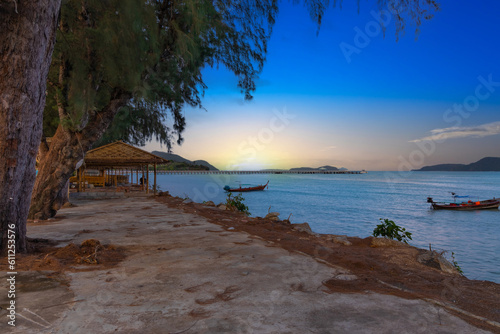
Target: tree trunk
[(66, 149), (26, 43)]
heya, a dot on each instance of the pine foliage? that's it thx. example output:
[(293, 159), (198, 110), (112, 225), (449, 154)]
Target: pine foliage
[(101, 46), (156, 51)]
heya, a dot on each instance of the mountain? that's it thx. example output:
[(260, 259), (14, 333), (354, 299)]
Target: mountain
[(171, 156), (489, 164), (178, 158), (308, 169), (204, 163)]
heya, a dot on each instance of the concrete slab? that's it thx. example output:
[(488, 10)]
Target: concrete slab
[(186, 275)]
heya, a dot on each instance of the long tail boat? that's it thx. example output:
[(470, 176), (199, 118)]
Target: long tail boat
[(465, 206), (240, 189)]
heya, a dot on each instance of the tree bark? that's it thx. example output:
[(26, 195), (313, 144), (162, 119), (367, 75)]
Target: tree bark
[(66, 149), (28, 30)]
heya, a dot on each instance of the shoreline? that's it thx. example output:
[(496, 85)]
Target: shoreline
[(331, 206), (208, 258), (424, 282)]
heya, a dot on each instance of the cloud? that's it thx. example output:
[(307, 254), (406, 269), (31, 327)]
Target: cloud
[(483, 130), (328, 148)]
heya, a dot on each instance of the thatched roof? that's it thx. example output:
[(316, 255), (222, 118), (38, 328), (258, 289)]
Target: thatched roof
[(119, 154)]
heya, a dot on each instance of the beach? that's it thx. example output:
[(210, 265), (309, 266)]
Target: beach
[(138, 264)]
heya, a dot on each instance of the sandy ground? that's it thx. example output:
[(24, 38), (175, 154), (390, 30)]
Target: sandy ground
[(186, 268)]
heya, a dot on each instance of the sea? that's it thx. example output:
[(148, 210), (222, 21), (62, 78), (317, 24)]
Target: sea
[(352, 204)]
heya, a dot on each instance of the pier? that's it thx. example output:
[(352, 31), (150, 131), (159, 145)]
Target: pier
[(239, 172)]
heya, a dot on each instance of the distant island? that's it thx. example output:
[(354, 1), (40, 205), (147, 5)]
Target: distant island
[(180, 163), (309, 169), (489, 164)]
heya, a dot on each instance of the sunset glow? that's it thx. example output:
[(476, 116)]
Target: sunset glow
[(390, 106)]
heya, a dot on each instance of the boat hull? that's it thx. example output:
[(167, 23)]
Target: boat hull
[(242, 190), (482, 205)]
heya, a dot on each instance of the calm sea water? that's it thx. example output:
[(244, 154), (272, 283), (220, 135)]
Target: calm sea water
[(353, 204)]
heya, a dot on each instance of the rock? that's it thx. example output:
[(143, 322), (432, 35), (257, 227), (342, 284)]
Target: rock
[(163, 193), (69, 205), (304, 227), (222, 207), (339, 239), (345, 277), (272, 216), (187, 201), (208, 203), (385, 242), (436, 260)]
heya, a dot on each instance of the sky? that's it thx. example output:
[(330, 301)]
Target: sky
[(351, 97)]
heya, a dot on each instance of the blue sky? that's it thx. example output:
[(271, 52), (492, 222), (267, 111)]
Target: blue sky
[(390, 105)]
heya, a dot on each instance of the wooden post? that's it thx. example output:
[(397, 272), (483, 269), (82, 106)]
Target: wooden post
[(79, 179), (143, 179), (147, 179), (83, 179), (155, 181)]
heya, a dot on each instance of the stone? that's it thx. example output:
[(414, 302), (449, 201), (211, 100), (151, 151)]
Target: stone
[(339, 239), (187, 201), (273, 216), (208, 203), (222, 207), (304, 227), (345, 277), (436, 260), (385, 242), (69, 205)]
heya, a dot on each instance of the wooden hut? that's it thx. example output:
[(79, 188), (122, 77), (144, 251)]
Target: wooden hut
[(116, 164)]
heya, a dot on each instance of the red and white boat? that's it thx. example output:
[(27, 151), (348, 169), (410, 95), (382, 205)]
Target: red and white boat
[(465, 206), (240, 189)]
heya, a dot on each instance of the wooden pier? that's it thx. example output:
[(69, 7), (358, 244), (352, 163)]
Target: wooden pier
[(239, 172)]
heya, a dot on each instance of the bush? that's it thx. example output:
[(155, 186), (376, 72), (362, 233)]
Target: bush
[(236, 203), (389, 229)]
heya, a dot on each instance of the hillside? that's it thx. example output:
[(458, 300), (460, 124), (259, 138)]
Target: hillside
[(489, 164), (178, 158)]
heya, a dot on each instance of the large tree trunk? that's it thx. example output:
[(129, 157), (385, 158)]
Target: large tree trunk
[(27, 36), (66, 149)]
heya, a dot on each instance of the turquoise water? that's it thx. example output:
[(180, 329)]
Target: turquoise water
[(353, 204)]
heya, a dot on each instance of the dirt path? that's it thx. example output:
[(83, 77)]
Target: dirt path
[(392, 269), (171, 269)]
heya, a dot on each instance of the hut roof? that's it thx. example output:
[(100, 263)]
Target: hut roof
[(120, 154)]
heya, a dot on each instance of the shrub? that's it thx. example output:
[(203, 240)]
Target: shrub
[(389, 229), (236, 203)]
